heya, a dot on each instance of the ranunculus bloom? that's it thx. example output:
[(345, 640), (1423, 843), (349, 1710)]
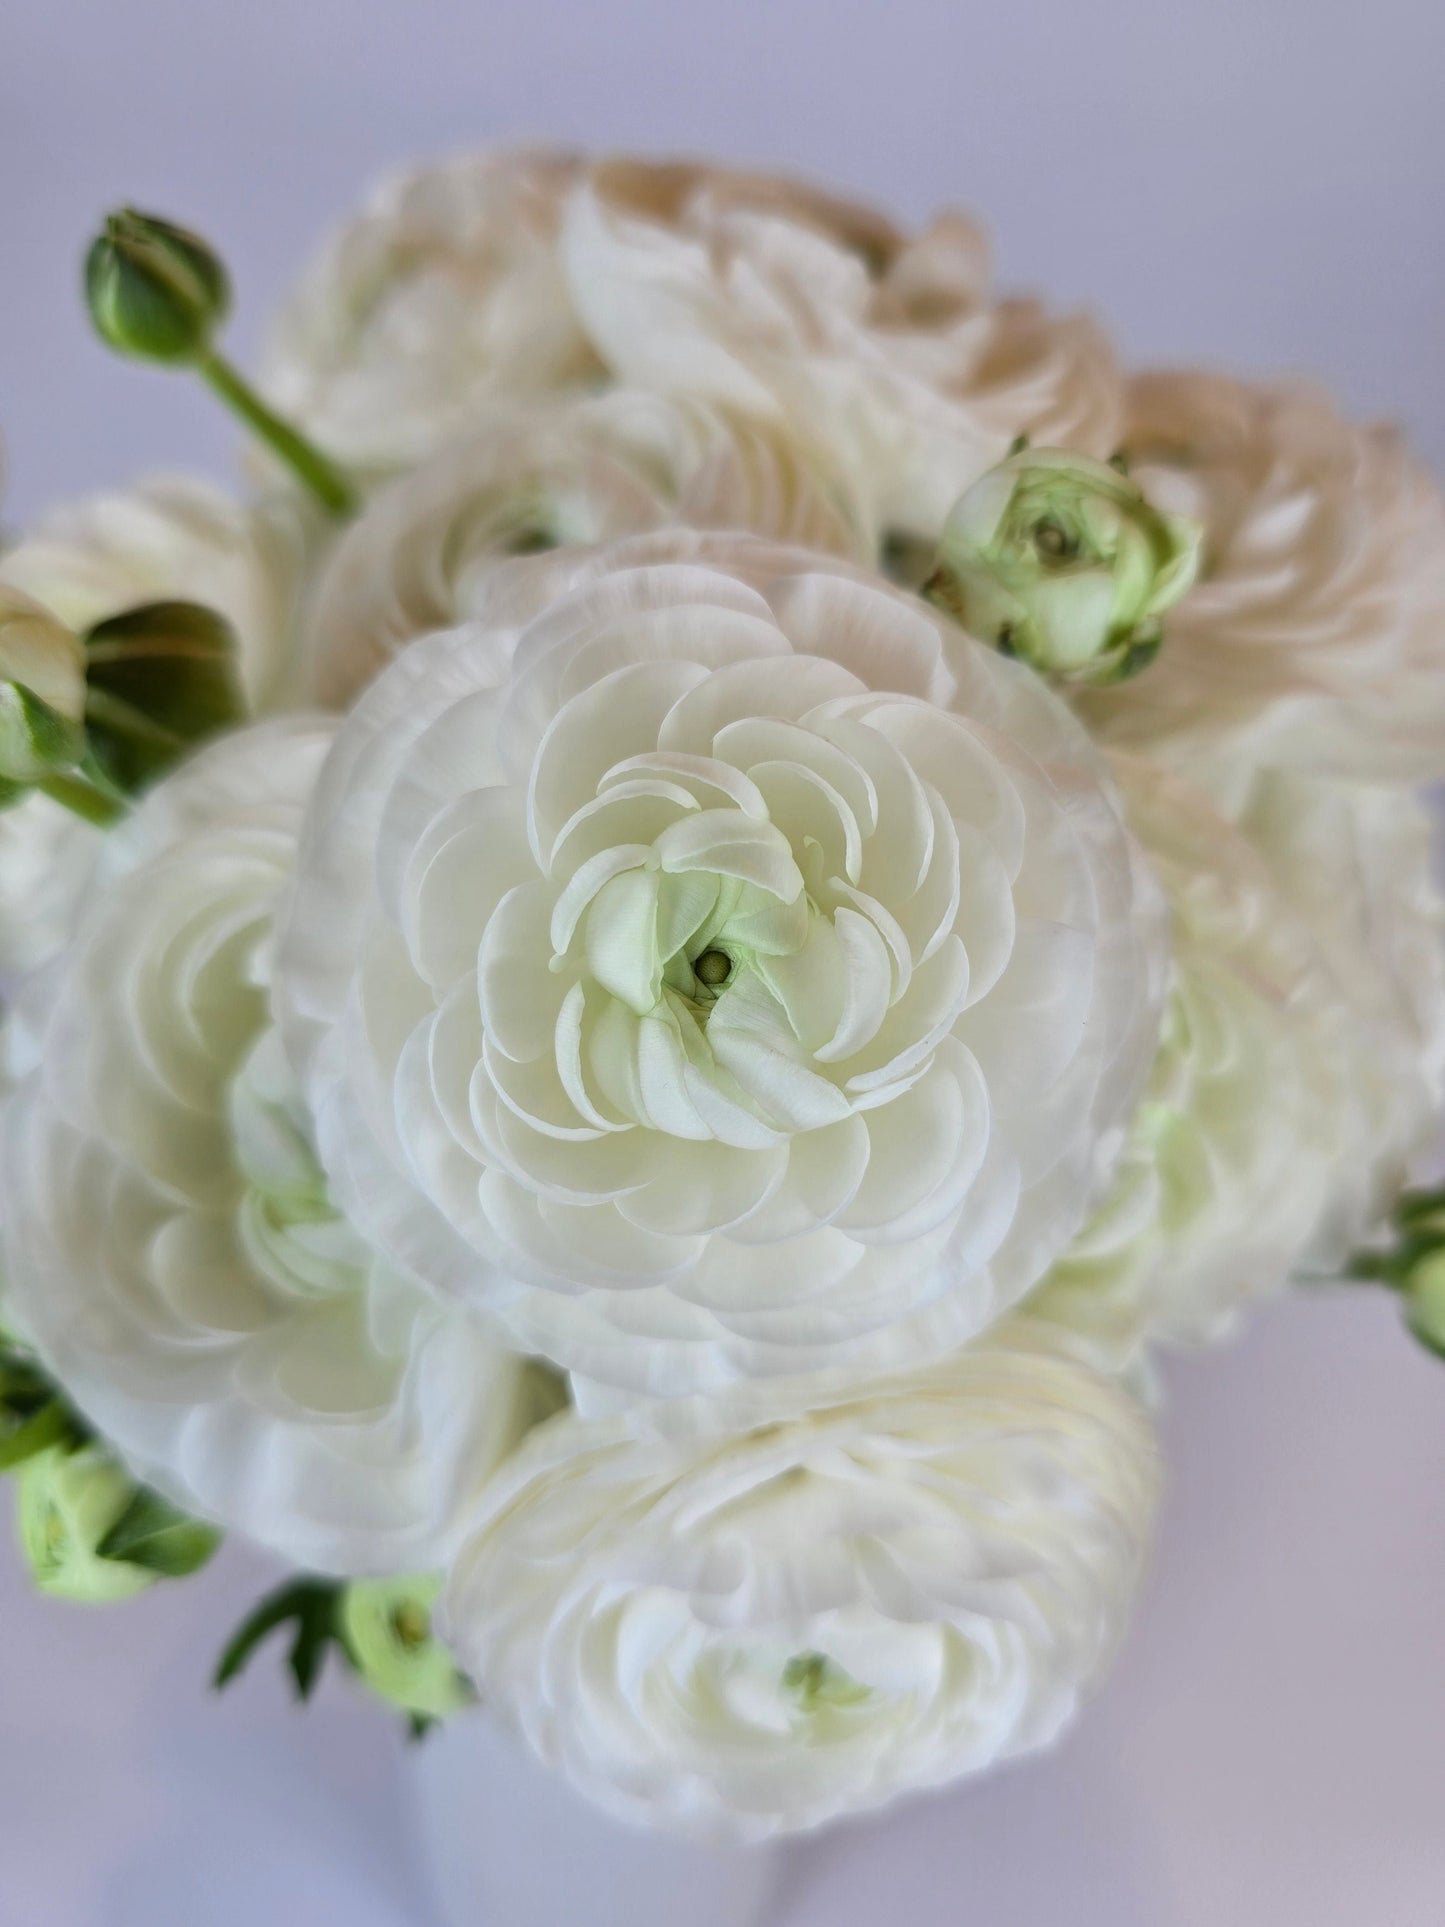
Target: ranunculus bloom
[(884, 351), (444, 291), (513, 275), (169, 1241), (1261, 1141), (1357, 864), (163, 541), (524, 478), (1312, 639), (742, 1635), (718, 965)]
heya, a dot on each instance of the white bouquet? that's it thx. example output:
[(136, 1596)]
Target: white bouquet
[(644, 984)]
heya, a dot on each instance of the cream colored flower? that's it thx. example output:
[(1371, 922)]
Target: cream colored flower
[(443, 292), (1356, 863), (169, 1242), (512, 275), (1254, 1132), (882, 351), (423, 554), (718, 965), (1312, 639), (163, 541), (742, 1635)]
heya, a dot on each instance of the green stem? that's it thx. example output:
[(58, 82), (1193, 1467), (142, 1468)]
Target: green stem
[(320, 474), (83, 799)]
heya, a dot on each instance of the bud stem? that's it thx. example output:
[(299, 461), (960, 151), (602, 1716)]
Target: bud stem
[(317, 471), (83, 799)]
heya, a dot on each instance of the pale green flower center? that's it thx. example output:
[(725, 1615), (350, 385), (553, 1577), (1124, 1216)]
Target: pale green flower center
[(814, 1683)]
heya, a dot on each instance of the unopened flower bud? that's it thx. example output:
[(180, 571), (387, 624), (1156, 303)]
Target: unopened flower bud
[(1060, 559), (154, 290), (42, 691), (69, 1501), (387, 1625), (1424, 1293)]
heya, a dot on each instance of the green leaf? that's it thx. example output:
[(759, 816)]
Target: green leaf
[(159, 680), (154, 1534), (419, 1725), (52, 1424), (307, 1605)]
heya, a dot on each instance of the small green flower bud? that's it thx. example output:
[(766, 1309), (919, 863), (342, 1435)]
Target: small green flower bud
[(1061, 560), (161, 678), (42, 691), (1424, 1293), (154, 291), (387, 1624), (68, 1502)]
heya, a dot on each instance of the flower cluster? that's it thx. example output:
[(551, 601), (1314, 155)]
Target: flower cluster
[(641, 989)]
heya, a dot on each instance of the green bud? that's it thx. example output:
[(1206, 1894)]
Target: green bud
[(387, 1625), (1061, 560), (42, 692), (161, 678), (154, 291), (68, 1503), (1424, 1293)]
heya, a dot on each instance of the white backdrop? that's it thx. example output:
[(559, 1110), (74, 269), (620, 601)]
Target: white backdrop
[(1254, 182)]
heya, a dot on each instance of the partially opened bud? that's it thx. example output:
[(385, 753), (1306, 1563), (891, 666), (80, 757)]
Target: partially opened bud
[(42, 691), (69, 1502), (1061, 560), (154, 290), (387, 1624)]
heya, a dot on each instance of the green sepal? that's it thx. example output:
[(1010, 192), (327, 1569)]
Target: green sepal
[(159, 680), (310, 1606), (157, 1536), (36, 739), (1432, 1341), (25, 1438)]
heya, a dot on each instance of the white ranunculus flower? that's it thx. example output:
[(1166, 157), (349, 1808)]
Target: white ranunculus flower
[(169, 1241), (163, 541), (739, 1636), (1247, 1149), (443, 292), (1312, 638), (719, 965), (1356, 863), (884, 351), (588, 470)]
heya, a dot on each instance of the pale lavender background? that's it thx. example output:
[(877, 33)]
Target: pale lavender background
[(1252, 182)]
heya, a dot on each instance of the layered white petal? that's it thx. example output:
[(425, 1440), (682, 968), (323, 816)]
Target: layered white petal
[(170, 1242), (764, 854), (739, 1634)]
